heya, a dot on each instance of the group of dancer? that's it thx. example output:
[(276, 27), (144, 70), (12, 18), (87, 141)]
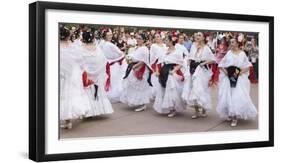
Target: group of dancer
[(96, 73)]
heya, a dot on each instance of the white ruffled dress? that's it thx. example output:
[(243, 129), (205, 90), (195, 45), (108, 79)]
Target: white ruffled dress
[(235, 101), (95, 66), (74, 101), (157, 52), (196, 90), (137, 92), (169, 98), (113, 53)]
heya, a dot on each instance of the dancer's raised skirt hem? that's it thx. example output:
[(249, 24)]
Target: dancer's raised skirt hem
[(196, 91), (99, 105), (136, 92), (168, 99)]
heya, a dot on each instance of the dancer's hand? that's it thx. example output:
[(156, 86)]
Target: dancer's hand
[(172, 72), (224, 70), (157, 73)]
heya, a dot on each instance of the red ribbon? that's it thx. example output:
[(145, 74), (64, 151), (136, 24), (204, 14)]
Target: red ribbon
[(179, 72), (85, 80), (252, 76), (215, 76), (139, 74), (153, 66), (107, 83)]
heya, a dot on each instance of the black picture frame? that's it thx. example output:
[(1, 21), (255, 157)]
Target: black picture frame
[(37, 80)]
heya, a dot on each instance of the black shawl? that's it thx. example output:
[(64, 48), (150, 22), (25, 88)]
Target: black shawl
[(129, 69), (193, 65), (164, 73), (233, 74)]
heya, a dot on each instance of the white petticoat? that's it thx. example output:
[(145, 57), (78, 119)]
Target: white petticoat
[(100, 105), (136, 92), (156, 85), (74, 102), (117, 73), (196, 90), (169, 98), (235, 101)]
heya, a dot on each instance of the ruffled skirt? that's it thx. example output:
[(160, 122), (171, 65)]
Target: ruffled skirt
[(117, 73), (74, 101), (156, 85), (196, 90), (136, 92), (235, 101), (169, 98), (98, 105)]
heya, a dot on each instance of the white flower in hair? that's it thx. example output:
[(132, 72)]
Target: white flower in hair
[(221, 36), (240, 37)]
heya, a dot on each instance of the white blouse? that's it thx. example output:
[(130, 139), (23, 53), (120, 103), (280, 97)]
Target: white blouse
[(175, 57), (239, 60), (94, 63), (182, 49), (141, 54), (110, 50), (203, 54), (157, 52)]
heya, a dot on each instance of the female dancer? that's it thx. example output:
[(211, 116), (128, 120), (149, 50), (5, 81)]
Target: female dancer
[(196, 91), (115, 67), (220, 53), (137, 84), (94, 77), (234, 99), (157, 53), (73, 99), (168, 96)]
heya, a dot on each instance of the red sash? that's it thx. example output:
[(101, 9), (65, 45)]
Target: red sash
[(85, 80), (179, 72), (139, 74), (215, 76), (153, 66), (252, 76), (107, 84)]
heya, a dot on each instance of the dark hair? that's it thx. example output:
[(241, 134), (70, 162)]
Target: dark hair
[(170, 38), (64, 33), (240, 44), (143, 37), (104, 33), (75, 35), (87, 37), (205, 35), (156, 33)]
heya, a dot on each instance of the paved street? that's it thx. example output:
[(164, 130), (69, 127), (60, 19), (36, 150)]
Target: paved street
[(124, 121)]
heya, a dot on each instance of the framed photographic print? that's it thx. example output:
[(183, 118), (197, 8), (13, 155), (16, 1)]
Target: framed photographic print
[(109, 81)]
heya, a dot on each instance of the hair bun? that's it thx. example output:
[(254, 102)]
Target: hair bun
[(87, 37), (64, 32), (143, 37)]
